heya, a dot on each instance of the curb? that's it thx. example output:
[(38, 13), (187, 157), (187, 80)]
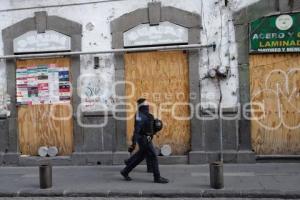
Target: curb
[(183, 194)]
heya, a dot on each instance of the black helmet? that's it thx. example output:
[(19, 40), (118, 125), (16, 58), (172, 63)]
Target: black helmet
[(158, 125)]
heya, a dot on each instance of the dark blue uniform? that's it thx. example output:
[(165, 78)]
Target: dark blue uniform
[(143, 131), (132, 147)]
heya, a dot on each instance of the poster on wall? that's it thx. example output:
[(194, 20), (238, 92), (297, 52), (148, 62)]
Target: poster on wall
[(22, 91), (275, 34), (43, 84)]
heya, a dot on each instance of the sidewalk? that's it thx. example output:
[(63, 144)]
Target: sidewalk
[(241, 180)]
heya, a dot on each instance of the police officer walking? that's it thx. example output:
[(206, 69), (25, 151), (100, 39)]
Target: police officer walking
[(143, 133), (131, 148)]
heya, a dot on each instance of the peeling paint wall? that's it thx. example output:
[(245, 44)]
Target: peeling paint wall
[(218, 28), (4, 99), (96, 18), (96, 89)]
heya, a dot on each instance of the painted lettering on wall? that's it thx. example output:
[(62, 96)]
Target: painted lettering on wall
[(278, 33), (164, 33), (42, 42)]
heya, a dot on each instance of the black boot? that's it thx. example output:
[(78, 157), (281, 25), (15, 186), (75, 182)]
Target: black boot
[(125, 175), (161, 180)]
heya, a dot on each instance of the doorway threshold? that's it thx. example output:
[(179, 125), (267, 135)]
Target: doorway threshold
[(278, 158), (37, 160), (173, 160)]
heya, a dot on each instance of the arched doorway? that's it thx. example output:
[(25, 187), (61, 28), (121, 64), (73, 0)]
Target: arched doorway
[(157, 16), (263, 135), (41, 23)]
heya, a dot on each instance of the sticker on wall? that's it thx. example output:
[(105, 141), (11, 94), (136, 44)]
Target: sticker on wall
[(42, 84)]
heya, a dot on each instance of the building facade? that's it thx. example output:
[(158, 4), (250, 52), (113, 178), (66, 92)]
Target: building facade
[(71, 71)]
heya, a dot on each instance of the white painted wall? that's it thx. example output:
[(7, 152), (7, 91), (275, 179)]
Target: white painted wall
[(96, 17)]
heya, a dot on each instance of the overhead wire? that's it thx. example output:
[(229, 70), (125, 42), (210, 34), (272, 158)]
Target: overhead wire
[(60, 5)]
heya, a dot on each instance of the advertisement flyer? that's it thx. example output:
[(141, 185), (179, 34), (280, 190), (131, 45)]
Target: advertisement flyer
[(53, 77), (21, 82)]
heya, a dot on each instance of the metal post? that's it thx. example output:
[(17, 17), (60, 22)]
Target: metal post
[(216, 175), (220, 121), (45, 171), (139, 49)]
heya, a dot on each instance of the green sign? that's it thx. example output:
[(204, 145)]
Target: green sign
[(275, 34)]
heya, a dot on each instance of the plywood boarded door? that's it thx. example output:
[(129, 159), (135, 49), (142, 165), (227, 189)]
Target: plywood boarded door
[(162, 78), (45, 124), (275, 85)]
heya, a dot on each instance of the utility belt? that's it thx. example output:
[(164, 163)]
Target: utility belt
[(148, 137), (148, 134)]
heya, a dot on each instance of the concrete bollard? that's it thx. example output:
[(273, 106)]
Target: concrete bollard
[(45, 171), (216, 175)]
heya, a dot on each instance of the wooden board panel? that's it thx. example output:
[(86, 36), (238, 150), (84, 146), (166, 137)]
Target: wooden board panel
[(161, 77), (44, 125), (275, 84)]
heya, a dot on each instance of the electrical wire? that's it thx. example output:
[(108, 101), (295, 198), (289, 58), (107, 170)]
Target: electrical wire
[(220, 86), (62, 5), (205, 32)]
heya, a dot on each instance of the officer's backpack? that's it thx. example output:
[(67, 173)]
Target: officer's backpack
[(158, 125), (152, 126)]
